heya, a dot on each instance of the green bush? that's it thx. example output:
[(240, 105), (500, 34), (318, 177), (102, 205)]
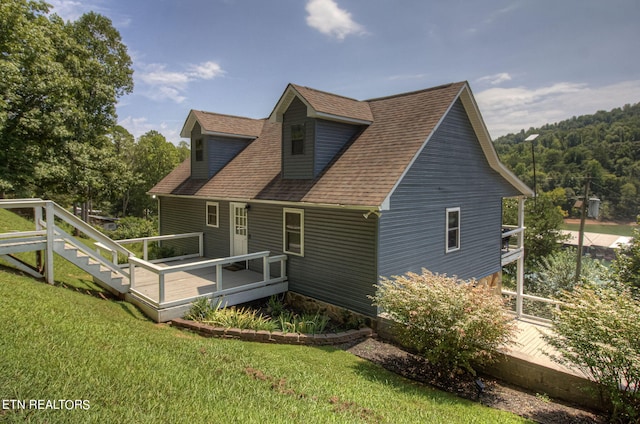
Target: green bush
[(556, 273), (205, 311), (598, 332), (132, 227), (453, 323)]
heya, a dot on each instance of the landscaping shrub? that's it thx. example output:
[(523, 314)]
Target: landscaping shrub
[(597, 330), (205, 311), (132, 227), (453, 323)]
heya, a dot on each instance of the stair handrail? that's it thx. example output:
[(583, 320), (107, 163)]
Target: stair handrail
[(67, 238), (76, 222)]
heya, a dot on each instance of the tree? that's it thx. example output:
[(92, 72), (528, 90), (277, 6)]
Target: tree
[(556, 274), (598, 332), (626, 266), (58, 98), (155, 157), (543, 218)]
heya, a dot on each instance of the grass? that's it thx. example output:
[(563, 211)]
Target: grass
[(618, 229), (60, 344)]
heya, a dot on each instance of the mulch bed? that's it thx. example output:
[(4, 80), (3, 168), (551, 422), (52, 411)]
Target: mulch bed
[(495, 394)]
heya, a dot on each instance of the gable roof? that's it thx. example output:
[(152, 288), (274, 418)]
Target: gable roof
[(321, 104), (367, 171), (219, 124)]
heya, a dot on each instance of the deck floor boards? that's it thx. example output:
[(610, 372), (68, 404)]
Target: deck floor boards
[(531, 345), (185, 284)]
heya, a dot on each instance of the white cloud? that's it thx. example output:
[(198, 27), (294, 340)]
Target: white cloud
[(161, 84), (329, 19), (495, 79), (206, 70), (508, 110), (69, 10), (140, 126)]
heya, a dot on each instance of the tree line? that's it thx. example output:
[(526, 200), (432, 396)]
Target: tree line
[(59, 85), (604, 147)]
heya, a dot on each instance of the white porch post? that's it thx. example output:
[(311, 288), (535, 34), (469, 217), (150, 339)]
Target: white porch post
[(218, 277), (266, 269), (50, 220), (520, 262), (161, 288)]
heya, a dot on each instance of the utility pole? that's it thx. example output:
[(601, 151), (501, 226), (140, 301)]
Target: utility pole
[(581, 232)]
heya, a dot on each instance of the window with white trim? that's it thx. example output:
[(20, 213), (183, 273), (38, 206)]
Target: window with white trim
[(212, 214), (453, 229), (293, 231)]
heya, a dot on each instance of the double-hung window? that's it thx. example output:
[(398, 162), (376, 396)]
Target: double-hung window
[(212, 214), (199, 150), (297, 139), (453, 230), (293, 231)]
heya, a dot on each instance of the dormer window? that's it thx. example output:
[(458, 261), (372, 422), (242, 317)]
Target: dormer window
[(199, 150), (297, 139)]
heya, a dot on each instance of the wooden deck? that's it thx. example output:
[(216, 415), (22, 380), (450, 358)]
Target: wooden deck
[(186, 284), (230, 283), (531, 346), (526, 365)]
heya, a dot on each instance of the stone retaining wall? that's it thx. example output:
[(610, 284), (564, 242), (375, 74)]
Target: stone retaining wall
[(273, 337)]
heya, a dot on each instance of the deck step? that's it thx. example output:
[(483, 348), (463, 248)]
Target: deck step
[(85, 262)]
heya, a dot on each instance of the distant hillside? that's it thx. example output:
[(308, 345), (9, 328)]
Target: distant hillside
[(605, 146)]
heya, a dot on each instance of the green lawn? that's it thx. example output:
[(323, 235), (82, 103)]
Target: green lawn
[(58, 344), (620, 230)]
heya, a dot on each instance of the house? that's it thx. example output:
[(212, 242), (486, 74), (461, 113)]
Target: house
[(349, 190)]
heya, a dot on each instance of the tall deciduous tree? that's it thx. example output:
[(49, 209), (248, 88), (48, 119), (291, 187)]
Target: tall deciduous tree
[(155, 157), (60, 83)]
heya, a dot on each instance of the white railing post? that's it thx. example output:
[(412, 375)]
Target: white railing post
[(132, 275), (266, 268), (145, 249), (161, 288), (201, 244), (37, 217), (520, 262), (50, 222), (218, 277)]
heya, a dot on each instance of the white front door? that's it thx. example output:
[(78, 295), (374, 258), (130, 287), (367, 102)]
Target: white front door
[(239, 225)]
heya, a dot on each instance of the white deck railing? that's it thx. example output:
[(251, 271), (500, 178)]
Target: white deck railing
[(45, 214), (145, 247), (218, 264)]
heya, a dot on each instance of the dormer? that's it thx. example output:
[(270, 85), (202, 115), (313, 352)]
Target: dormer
[(315, 127), (216, 139)]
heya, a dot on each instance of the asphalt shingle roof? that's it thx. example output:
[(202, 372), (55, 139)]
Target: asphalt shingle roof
[(363, 174)]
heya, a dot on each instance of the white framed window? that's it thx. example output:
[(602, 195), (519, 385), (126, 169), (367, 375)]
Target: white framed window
[(452, 237), (213, 218), (293, 231)]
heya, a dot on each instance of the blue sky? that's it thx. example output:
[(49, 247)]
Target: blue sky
[(529, 62)]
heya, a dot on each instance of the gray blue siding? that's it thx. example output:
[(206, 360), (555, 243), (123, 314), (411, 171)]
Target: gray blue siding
[(297, 166), (221, 150), (181, 215), (339, 263), (199, 169), (450, 172), (331, 137)]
